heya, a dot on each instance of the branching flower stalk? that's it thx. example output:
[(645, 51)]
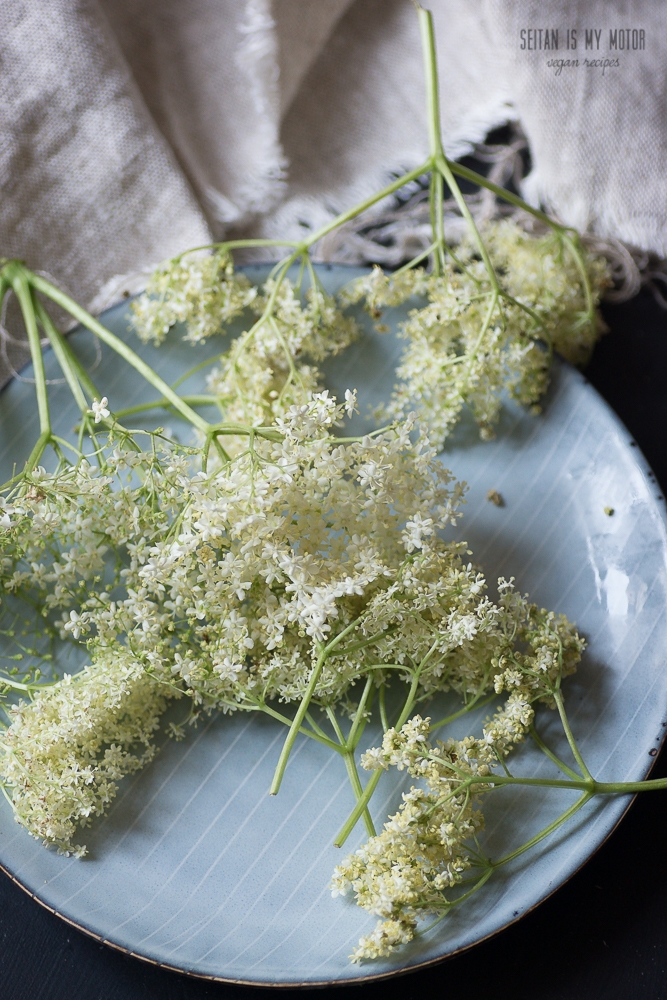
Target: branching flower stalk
[(276, 566), (497, 306)]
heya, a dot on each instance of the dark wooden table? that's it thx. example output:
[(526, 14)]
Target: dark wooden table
[(603, 936)]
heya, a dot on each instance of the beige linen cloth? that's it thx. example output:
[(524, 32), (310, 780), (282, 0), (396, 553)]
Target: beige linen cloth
[(133, 129)]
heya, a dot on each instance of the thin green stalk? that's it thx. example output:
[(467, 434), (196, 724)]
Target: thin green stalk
[(356, 646), (165, 404), (567, 233), (197, 368), (56, 341), (358, 810), (336, 727), (558, 698), (382, 700), (359, 721), (435, 211), (583, 273), (19, 686), (314, 726), (551, 755), (466, 895), (21, 287), (465, 173), (630, 787), (324, 652), (371, 784), (353, 775), (431, 80), (440, 162), (236, 245), (484, 330), (107, 337), (81, 374), (316, 734), (33, 458), (367, 203), (475, 703), (296, 724), (563, 818), (415, 260)]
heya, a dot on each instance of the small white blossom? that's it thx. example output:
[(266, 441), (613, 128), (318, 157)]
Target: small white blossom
[(99, 409)]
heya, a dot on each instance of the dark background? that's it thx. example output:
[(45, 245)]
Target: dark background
[(602, 936)]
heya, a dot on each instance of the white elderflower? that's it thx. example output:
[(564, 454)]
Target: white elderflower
[(200, 291), (229, 583), (468, 343), (99, 409), (67, 750), (403, 873)]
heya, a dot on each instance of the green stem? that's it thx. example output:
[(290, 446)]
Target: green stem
[(477, 886), (359, 722), (296, 724), (358, 810), (572, 245), (164, 404), (475, 703), (315, 734), (371, 784), (437, 221), (353, 775), (563, 231), (356, 646), (34, 456), (22, 291), (551, 755), (465, 173), (415, 261), (336, 728), (558, 698), (382, 700), (367, 203), (314, 726), (630, 787), (56, 341), (117, 345), (324, 653), (563, 818), (431, 79), (28, 688), (440, 162), (236, 245)]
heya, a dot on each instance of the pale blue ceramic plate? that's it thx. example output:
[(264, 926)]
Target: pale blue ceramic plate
[(197, 869)]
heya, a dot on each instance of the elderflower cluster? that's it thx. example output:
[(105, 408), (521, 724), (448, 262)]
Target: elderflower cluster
[(202, 292), (470, 343), (231, 584), (271, 366), (65, 751), (473, 339), (403, 873), (274, 365)]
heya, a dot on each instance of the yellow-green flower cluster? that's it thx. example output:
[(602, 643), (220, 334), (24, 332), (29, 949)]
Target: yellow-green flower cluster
[(274, 365), (65, 752), (269, 367), (403, 873), (487, 327), (481, 335), (202, 292), (231, 584)]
